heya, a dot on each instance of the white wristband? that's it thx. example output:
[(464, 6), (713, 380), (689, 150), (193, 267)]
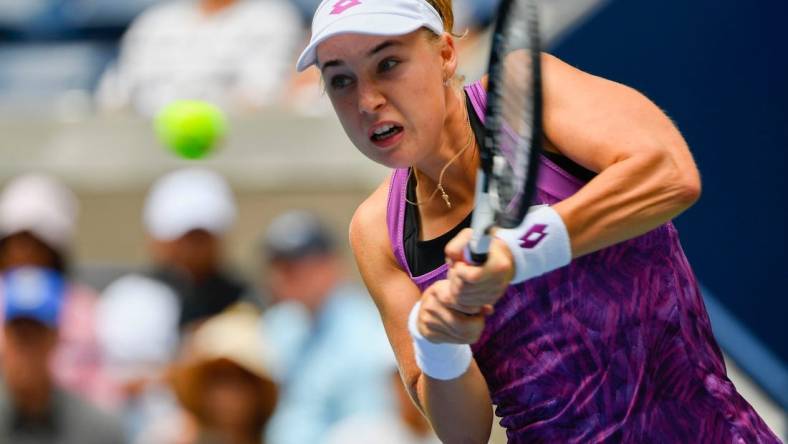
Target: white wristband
[(438, 361), (539, 245)]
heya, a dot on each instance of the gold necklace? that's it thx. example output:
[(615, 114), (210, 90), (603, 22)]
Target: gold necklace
[(439, 187)]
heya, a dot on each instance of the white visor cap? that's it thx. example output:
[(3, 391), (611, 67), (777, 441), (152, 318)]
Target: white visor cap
[(370, 17)]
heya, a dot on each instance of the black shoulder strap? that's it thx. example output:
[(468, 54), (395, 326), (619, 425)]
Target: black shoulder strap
[(476, 121)]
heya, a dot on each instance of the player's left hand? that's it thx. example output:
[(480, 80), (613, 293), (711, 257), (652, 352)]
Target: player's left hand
[(442, 324), (473, 287)]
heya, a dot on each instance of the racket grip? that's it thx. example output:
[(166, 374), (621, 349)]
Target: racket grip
[(481, 223), (477, 251), (477, 258)]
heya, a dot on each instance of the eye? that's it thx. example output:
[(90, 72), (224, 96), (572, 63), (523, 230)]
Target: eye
[(387, 64), (340, 81)]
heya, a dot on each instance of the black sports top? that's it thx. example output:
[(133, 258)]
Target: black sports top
[(424, 256)]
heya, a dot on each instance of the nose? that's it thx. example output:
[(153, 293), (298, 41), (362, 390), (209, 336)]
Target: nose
[(370, 98)]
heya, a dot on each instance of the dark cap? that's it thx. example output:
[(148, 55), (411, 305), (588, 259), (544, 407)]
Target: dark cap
[(297, 234)]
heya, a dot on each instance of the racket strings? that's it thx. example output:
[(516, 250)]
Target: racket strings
[(513, 108)]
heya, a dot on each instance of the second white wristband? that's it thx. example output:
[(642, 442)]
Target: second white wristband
[(438, 361)]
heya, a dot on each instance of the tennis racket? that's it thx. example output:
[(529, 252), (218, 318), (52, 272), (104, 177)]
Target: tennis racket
[(506, 180)]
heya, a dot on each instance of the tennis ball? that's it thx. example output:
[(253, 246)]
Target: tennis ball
[(190, 128)]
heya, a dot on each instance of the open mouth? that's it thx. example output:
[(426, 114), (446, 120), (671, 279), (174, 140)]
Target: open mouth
[(385, 132)]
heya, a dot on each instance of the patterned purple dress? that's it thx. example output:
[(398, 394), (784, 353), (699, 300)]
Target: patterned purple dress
[(615, 347)]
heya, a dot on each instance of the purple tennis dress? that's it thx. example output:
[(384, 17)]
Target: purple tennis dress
[(614, 347)]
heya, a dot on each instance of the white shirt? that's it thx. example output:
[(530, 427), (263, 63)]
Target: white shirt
[(236, 58)]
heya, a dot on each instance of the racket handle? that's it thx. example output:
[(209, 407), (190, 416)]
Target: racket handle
[(477, 251), (481, 222)]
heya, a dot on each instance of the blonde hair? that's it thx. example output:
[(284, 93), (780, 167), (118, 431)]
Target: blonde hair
[(444, 10)]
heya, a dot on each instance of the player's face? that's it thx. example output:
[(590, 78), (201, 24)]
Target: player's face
[(388, 92)]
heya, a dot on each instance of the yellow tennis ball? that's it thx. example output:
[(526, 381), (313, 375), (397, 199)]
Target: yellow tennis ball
[(190, 128)]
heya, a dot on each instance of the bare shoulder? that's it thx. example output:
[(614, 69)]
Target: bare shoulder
[(564, 83), (558, 72), (387, 282), (596, 122), (551, 62)]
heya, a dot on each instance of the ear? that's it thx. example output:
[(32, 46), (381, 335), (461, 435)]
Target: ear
[(448, 54)]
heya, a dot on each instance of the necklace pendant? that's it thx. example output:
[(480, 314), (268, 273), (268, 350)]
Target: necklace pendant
[(443, 194), (446, 199)]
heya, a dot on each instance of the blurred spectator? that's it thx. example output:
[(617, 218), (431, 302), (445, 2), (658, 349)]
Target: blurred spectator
[(138, 330), (405, 426), (326, 334), (37, 222), (187, 213), (32, 408), (223, 382), (148, 341), (237, 54)]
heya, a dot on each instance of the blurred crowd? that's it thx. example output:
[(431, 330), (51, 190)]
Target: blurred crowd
[(184, 350), (136, 56)]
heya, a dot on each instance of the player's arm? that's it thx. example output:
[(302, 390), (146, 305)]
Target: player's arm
[(646, 173), (459, 409)]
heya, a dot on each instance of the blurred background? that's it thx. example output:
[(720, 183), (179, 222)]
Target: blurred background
[(155, 282)]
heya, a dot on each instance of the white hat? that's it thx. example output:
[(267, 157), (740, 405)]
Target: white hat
[(137, 325), (372, 17), (186, 200), (41, 205)]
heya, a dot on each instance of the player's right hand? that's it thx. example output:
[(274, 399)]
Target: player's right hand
[(439, 323)]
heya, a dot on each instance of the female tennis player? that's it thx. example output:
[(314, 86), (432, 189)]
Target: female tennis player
[(609, 340)]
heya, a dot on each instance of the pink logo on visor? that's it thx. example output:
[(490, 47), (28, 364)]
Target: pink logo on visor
[(343, 5)]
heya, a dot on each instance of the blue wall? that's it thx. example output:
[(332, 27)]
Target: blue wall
[(720, 70)]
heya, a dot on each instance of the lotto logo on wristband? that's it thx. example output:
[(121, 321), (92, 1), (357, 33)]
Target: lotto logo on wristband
[(533, 236), (343, 5)]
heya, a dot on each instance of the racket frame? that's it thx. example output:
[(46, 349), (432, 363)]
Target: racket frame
[(486, 216)]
